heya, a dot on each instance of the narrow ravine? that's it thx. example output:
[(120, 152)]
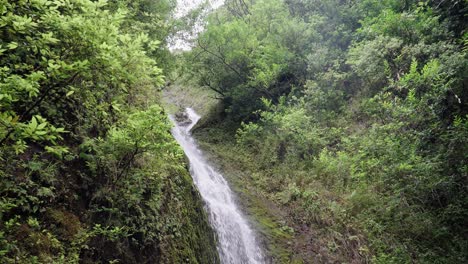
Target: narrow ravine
[(237, 242)]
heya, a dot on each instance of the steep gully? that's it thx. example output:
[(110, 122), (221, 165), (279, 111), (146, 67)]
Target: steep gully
[(237, 243)]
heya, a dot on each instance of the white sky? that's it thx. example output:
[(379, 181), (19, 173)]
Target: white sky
[(182, 9), (184, 6)]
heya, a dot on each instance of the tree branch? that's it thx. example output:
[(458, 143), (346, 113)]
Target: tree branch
[(221, 58)]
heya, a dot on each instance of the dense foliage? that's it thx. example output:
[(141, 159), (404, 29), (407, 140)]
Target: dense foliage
[(353, 115), (88, 169)]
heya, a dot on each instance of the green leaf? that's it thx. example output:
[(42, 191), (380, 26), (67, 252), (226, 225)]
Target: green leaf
[(12, 45), (40, 133), (33, 124), (116, 107), (60, 130), (41, 126)]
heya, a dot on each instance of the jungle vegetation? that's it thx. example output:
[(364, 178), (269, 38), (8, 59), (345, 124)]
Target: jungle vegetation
[(89, 172), (350, 115)]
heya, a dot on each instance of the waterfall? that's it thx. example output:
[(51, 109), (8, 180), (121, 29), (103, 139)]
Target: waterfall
[(236, 240)]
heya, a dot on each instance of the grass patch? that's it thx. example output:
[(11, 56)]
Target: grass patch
[(178, 96)]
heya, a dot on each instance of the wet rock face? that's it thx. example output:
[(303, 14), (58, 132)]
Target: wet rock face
[(182, 118)]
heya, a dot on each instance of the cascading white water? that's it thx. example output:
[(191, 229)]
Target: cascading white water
[(237, 243)]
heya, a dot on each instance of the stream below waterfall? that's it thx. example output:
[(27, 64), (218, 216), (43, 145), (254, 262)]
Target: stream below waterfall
[(237, 243)]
